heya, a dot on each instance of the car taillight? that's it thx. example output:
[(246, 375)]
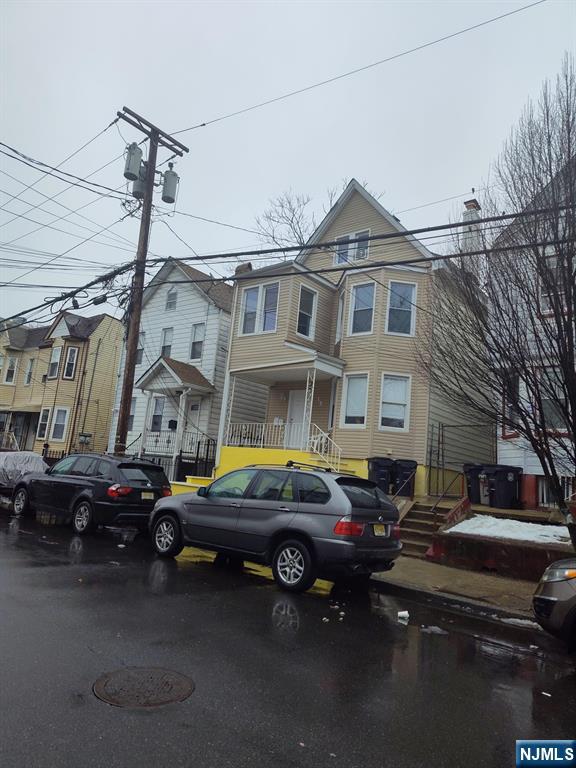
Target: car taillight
[(166, 491), (345, 527), (117, 490), (395, 531)]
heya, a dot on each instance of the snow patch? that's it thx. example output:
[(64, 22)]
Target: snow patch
[(498, 528)]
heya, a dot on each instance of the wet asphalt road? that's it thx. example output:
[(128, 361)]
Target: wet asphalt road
[(275, 684)]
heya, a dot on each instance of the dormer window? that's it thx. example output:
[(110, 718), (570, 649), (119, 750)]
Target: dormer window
[(171, 299)]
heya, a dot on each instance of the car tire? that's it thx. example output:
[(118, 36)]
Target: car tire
[(293, 566), (21, 501), (167, 536), (82, 518)]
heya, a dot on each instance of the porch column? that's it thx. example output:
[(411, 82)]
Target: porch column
[(181, 424), (225, 413), (142, 449), (308, 404)]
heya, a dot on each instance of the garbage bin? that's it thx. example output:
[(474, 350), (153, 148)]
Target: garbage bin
[(382, 471), (505, 487), (405, 477), (484, 487), (472, 473)]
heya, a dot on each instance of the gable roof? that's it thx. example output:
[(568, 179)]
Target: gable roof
[(337, 208), (78, 326), (184, 374), (219, 293)]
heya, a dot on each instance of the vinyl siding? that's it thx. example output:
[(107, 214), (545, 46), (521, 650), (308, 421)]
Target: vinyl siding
[(278, 402), (322, 340)]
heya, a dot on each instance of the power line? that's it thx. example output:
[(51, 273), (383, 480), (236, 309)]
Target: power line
[(361, 69)]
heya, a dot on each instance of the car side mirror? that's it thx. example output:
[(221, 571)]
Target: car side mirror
[(203, 490)]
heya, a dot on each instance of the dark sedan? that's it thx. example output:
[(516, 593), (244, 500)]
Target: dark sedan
[(302, 521), (90, 489)]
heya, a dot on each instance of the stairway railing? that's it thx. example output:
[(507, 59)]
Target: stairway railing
[(320, 443)]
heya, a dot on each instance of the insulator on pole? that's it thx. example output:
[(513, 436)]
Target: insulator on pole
[(170, 185), (133, 160)]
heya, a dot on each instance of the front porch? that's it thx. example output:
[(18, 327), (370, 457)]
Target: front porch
[(299, 415)]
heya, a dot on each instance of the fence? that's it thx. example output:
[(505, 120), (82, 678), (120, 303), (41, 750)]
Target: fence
[(51, 457)]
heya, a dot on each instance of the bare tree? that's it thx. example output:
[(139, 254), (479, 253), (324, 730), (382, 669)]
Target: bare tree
[(502, 334), (288, 220)]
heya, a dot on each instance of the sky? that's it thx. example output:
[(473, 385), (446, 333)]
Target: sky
[(418, 129)]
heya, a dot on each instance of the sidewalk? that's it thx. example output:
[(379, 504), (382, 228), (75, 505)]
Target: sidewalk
[(474, 590)]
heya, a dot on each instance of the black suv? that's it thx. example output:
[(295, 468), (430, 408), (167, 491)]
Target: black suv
[(304, 522), (92, 489)]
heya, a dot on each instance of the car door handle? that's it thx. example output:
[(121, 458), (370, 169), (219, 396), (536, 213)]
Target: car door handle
[(234, 504), (283, 509)]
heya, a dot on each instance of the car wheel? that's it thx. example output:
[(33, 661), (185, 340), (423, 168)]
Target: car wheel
[(21, 501), (82, 518), (293, 566), (167, 537)]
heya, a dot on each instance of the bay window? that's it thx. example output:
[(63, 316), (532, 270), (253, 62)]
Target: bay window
[(10, 372), (260, 309), (54, 362), (70, 366), (307, 312), (362, 308), (395, 402), (43, 423), (354, 399), (401, 317), (59, 423)]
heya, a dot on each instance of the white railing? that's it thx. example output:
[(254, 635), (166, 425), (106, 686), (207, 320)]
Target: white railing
[(8, 442), (322, 444)]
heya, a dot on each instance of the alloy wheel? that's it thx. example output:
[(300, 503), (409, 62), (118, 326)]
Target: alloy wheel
[(82, 517), (164, 535), (291, 565), (20, 502)]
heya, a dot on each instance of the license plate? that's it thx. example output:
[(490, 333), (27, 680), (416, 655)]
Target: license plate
[(380, 530), (147, 495)]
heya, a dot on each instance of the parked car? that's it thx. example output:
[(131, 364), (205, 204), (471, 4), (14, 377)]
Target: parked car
[(554, 602), (90, 489), (304, 522), (14, 464)]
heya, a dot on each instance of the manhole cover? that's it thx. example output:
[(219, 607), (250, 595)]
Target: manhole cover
[(138, 687)]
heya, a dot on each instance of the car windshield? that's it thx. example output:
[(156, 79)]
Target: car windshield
[(142, 474), (363, 494)]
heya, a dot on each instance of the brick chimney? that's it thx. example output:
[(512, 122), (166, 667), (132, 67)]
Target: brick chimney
[(471, 233)]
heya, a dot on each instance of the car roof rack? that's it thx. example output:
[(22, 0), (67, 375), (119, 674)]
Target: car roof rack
[(292, 463)]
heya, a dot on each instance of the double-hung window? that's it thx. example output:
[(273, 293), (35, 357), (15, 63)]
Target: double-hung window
[(43, 423), (131, 414), (401, 318), (156, 425), (511, 402), (551, 279), (70, 365), (260, 309), (28, 374), (140, 348), (197, 343), (59, 423), (362, 308), (166, 345), (340, 318), (347, 251), (355, 399), (395, 402), (307, 312), (54, 363), (553, 396), (10, 372), (171, 299)]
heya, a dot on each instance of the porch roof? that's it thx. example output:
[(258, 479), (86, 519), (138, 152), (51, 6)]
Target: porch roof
[(26, 408), (167, 375), (326, 367)]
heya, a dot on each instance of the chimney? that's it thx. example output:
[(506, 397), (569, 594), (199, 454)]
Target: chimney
[(471, 233), (243, 268)]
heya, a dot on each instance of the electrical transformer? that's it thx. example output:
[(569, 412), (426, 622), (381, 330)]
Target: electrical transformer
[(139, 185), (133, 160), (170, 185)]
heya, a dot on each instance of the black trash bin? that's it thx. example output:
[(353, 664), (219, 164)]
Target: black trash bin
[(505, 490), (382, 471), (472, 471), (405, 477)]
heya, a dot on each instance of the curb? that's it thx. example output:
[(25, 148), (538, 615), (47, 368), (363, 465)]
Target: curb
[(451, 602)]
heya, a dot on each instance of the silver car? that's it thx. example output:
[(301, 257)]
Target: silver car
[(554, 602), (303, 521)]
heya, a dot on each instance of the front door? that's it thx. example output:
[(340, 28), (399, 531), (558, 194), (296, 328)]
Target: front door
[(294, 435)]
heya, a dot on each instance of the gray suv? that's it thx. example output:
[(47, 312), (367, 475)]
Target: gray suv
[(304, 522)]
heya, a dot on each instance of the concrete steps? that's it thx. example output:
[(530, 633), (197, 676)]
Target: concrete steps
[(419, 526)]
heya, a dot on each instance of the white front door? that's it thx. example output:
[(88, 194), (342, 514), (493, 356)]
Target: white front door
[(294, 434)]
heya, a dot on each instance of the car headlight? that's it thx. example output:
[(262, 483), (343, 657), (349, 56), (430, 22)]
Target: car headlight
[(559, 573)]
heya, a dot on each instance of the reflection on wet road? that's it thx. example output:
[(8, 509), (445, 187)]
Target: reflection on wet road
[(327, 678)]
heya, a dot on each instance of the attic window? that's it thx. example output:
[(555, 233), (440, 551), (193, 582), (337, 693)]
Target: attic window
[(171, 299), (347, 251)]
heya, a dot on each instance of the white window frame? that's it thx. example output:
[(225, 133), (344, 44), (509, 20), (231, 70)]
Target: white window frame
[(352, 247), (340, 318), (351, 309), (131, 414), (406, 427), (157, 399), (54, 362), (141, 346), (67, 360), (314, 312), (53, 424), (171, 299), (46, 425), (193, 339), (163, 341), (413, 309), (258, 326), (7, 368), (28, 374), (344, 399)]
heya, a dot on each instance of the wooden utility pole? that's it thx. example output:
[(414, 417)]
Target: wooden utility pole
[(156, 137)]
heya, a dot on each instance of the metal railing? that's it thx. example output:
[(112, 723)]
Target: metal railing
[(8, 442), (321, 443), (164, 442)]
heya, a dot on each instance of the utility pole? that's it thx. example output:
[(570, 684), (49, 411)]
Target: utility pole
[(156, 137)]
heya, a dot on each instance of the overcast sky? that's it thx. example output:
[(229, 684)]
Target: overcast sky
[(418, 129)]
